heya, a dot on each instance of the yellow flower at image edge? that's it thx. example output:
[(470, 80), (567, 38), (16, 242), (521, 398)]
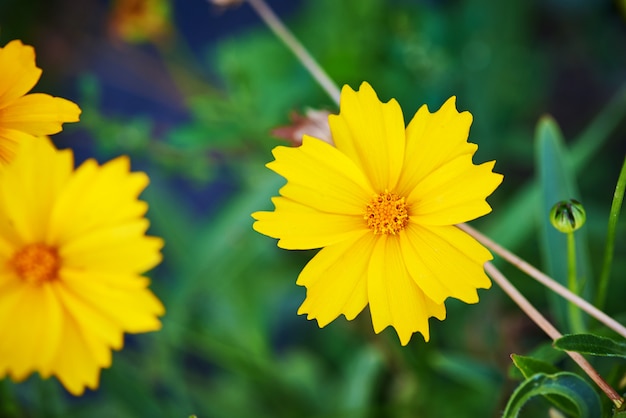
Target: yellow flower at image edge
[(72, 251), (383, 204), (24, 115)]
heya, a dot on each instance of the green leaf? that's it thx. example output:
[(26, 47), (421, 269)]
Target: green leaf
[(530, 365), (591, 344), (558, 183), (572, 388), (544, 353)]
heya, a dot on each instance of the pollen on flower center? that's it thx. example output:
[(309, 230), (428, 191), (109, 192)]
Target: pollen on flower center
[(37, 263), (387, 213)]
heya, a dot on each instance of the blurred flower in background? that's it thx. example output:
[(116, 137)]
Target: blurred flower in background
[(138, 21), (313, 123), (72, 251), (383, 204), (22, 114), (226, 3)]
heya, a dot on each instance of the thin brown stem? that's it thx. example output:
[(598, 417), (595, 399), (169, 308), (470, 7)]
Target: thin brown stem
[(546, 280), (551, 331), (281, 31)]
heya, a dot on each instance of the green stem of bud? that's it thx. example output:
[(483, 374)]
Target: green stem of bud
[(575, 316)]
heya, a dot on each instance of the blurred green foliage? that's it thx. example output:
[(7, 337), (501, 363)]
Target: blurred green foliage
[(232, 344)]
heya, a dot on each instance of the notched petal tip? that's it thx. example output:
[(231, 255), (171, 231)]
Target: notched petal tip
[(310, 316), (405, 336), (346, 89), (451, 102), (450, 106), (366, 88)]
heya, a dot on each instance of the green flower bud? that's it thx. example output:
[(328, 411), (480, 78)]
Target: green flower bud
[(568, 215)]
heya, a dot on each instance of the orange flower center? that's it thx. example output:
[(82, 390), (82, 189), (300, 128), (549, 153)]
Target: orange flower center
[(387, 213), (37, 263)]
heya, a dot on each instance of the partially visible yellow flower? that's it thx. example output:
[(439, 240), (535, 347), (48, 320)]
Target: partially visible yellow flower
[(22, 114), (72, 253), (138, 21), (382, 204)]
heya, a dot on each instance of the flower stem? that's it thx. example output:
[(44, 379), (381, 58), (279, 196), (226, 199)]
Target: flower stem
[(546, 280), (576, 321), (551, 331), (281, 31), (616, 206)]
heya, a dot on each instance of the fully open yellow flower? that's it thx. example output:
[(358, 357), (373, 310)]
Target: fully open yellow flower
[(383, 204), (72, 251), (21, 114)]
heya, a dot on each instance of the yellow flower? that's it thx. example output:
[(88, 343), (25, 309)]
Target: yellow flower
[(72, 251), (21, 114), (383, 204)]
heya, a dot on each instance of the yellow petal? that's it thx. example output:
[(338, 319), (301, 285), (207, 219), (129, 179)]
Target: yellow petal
[(100, 331), (445, 262), (336, 280), (126, 308), (18, 72), (13, 297), (76, 366), (320, 176), (26, 195), (454, 193), (394, 297), (301, 228), (39, 114), (30, 323), (7, 251), (99, 196), (433, 139), (9, 143), (371, 134), (122, 247), (34, 334)]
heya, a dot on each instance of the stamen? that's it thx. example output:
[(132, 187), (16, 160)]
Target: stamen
[(37, 263), (387, 213)]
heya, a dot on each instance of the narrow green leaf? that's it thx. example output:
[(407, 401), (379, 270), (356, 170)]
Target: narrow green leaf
[(591, 344), (557, 183), (569, 386), (616, 206)]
